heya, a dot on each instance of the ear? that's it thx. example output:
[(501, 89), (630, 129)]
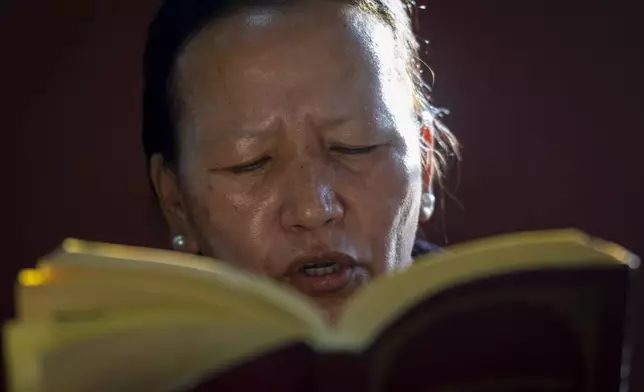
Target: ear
[(171, 200), (427, 162)]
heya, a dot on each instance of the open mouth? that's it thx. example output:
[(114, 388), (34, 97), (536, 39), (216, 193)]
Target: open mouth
[(320, 268), (322, 273)]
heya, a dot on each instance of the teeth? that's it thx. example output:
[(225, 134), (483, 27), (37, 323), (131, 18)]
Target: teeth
[(317, 270)]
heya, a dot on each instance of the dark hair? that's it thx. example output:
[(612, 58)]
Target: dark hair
[(177, 21)]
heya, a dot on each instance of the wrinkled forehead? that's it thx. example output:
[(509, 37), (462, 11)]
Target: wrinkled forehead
[(338, 16), (323, 59), (307, 31)]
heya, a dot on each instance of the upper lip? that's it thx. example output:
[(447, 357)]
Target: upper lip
[(319, 257)]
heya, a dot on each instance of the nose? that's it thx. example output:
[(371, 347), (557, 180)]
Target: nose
[(311, 202)]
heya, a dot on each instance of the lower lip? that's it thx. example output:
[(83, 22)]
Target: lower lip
[(319, 284)]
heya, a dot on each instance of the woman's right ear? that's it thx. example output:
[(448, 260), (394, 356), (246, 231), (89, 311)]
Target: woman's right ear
[(171, 200)]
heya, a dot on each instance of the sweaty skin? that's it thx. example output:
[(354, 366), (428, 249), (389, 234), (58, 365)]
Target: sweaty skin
[(297, 139)]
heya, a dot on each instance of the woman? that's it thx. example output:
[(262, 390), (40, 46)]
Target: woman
[(293, 139)]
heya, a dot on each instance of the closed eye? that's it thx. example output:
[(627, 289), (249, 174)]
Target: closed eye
[(353, 150), (249, 167)]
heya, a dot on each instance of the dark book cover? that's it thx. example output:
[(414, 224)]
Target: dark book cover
[(551, 330)]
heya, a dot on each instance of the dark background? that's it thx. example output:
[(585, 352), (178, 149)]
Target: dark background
[(545, 99)]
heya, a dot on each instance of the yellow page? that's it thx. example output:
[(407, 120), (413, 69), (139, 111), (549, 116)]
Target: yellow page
[(388, 298), (157, 351), (79, 291), (115, 278)]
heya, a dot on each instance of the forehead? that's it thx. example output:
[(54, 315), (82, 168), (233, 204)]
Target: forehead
[(252, 32), (263, 58)]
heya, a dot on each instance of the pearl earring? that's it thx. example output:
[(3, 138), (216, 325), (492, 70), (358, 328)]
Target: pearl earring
[(178, 242), (428, 201)]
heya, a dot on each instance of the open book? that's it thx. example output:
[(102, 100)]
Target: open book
[(540, 311)]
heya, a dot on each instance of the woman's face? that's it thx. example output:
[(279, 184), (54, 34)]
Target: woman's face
[(299, 149)]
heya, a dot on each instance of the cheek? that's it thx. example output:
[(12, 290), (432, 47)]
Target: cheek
[(398, 176), (401, 185), (405, 190), (232, 224), (389, 196)]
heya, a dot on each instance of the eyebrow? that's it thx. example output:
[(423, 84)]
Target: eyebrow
[(264, 132), (233, 137), (258, 131), (327, 123)]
